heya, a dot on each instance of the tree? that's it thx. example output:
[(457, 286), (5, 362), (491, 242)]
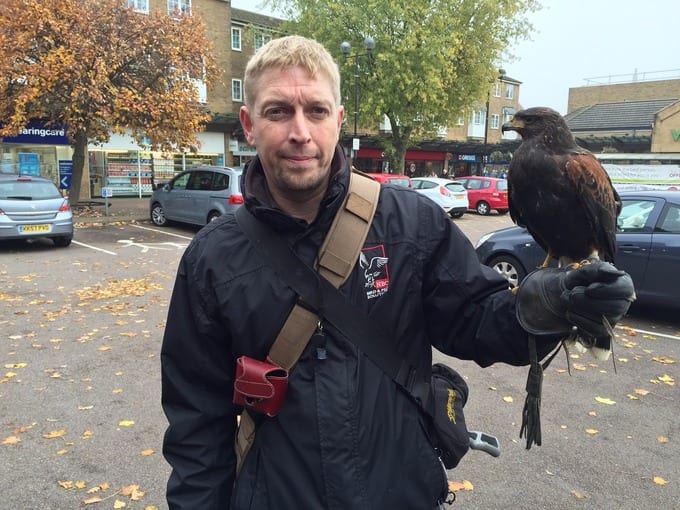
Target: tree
[(98, 67), (433, 60)]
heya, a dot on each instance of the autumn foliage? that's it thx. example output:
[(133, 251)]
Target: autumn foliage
[(98, 68)]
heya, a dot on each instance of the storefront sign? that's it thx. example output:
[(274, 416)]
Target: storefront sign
[(643, 174), (467, 157), (65, 173), (39, 134)]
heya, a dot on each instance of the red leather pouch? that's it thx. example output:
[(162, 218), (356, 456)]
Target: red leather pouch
[(260, 385)]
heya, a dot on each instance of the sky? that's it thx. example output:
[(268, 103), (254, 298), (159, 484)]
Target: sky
[(612, 41)]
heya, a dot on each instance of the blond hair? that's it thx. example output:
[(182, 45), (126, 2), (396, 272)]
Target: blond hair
[(291, 51)]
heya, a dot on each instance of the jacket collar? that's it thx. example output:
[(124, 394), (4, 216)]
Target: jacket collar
[(259, 201)]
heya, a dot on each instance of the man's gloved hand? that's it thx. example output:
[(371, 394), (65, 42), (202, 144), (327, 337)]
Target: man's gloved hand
[(554, 300)]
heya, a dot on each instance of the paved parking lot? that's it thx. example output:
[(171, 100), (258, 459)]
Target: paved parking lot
[(81, 417)]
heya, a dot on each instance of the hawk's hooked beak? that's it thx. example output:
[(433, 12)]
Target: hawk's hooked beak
[(512, 125)]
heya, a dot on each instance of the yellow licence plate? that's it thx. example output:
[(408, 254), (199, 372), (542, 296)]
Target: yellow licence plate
[(34, 229)]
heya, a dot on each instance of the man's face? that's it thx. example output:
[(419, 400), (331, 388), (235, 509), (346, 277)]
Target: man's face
[(295, 124)]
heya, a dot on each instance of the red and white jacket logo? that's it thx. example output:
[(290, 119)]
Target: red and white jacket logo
[(374, 264)]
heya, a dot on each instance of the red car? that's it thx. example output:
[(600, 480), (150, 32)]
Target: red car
[(486, 193), (396, 179)]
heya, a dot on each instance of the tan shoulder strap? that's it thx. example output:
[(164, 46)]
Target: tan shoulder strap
[(337, 256)]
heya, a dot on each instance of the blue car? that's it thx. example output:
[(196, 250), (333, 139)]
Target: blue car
[(647, 240)]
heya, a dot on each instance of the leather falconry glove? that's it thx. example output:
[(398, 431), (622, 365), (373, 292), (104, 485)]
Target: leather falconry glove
[(551, 301)]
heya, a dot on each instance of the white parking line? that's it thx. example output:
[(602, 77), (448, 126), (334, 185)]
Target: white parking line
[(93, 248), (645, 332), (162, 232)]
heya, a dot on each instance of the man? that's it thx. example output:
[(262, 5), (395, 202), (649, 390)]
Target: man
[(346, 437)]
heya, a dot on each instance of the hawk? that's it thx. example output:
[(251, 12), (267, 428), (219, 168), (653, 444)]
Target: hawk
[(562, 195)]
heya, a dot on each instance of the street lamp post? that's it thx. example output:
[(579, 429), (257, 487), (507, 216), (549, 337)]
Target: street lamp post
[(501, 74), (346, 48)]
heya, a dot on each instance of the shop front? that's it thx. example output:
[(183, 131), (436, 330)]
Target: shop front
[(37, 150), (129, 170), (417, 163)]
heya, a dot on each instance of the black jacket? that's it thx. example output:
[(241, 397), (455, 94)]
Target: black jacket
[(346, 437)]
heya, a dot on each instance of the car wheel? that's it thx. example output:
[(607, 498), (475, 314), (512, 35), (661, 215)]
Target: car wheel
[(502, 211), (213, 216), (509, 267), (158, 215), (483, 208), (456, 214), (62, 242)]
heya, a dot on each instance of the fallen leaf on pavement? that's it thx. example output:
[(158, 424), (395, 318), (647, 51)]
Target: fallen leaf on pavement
[(663, 360), (605, 401), (465, 485), (55, 434)]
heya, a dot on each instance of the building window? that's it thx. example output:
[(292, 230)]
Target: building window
[(202, 89), (497, 89), (236, 91), (478, 117), (235, 38), (180, 6), (261, 40), (494, 121), (509, 91), (139, 5)]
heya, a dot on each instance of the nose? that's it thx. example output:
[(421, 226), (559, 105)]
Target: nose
[(299, 130)]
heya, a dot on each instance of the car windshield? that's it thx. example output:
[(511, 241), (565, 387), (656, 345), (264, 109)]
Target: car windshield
[(28, 190), (399, 182)]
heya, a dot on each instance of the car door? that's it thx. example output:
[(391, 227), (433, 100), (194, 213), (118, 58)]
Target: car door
[(199, 190), (662, 271), (176, 199), (635, 227), (473, 187)]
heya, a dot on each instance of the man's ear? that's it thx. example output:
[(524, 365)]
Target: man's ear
[(247, 124), (341, 117)]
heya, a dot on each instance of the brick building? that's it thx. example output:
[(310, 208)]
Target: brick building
[(638, 117)]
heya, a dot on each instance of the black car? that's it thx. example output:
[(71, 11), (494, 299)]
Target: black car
[(647, 241)]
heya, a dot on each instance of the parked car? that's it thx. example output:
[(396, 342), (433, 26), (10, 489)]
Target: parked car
[(486, 194), (647, 241), (455, 204), (396, 179), (197, 196), (31, 207)]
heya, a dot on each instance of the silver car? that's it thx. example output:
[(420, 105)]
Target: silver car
[(31, 207), (453, 201), (197, 196)]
